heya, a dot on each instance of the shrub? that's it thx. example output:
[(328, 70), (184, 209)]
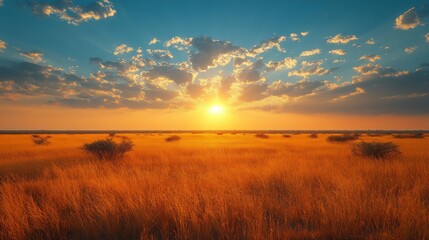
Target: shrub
[(39, 140), (107, 149), (261, 135), (342, 138), (286, 135), (172, 138), (375, 150), (313, 135), (409, 135)]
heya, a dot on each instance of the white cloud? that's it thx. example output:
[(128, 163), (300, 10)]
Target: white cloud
[(177, 41), (2, 45), (410, 50), (294, 37), (285, 63), (121, 49), (407, 20), (340, 52), (154, 41), (370, 42), (310, 52), (427, 37), (160, 54), (34, 56), (371, 58), (304, 34), (267, 45), (309, 69), (74, 14), (1, 3), (340, 39)]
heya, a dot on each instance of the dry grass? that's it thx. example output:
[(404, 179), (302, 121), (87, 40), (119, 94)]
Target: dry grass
[(213, 187)]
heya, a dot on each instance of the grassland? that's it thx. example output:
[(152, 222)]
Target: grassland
[(210, 186)]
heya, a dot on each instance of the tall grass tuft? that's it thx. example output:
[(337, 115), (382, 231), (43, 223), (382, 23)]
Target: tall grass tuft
[(262, 135), (172, 138), (342, 138)]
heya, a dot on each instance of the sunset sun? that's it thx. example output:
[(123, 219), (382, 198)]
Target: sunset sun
[(216, 110)]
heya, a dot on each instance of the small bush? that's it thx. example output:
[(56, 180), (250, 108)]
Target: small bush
[(219, 133), (107, 149), (286, 135), (262, 135), (409, 135), (375, 150), (313, 135), (342, 138), (112, 134), (172, 138), (39, 140)]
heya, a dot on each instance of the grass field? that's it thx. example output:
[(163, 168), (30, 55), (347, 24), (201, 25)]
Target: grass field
[(209, 186)]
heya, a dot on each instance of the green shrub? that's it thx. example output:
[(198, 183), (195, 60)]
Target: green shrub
[(107, 149), (375, 150)]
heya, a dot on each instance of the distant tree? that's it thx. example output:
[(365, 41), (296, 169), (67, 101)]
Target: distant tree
[(107, 149), (40, 140)]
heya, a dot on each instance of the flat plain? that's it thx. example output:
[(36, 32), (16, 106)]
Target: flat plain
[(213, 186)]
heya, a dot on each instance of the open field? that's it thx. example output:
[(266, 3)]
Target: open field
[(210, 186)]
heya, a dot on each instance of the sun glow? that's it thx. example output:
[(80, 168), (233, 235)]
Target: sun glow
[(216, 110)]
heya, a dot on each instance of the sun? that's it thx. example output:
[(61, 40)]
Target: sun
[(216, 110)]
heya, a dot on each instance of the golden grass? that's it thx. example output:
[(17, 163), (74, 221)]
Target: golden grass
[(209, 186)]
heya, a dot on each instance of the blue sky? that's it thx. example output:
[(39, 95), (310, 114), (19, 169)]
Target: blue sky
[(282, 56)]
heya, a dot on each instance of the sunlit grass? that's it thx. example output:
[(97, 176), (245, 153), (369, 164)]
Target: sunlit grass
[(212, 186)]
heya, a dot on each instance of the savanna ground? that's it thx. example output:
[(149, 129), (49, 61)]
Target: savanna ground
[(209, 186)]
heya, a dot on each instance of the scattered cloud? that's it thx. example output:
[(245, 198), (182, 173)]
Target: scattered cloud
[(310, 52), (371, 58), (304, 34), (73, 14), (154, 41), (34, 56), (160, 54), (267, 45), (370, 42), (286, 63), (294, 37), (340, 39), (340, 52), (253, 92), (1, 3), (427, 37), (2, 45), (309, 69), (407, 20), (178, 42), (410, 50), (121, 49), (211, 53)]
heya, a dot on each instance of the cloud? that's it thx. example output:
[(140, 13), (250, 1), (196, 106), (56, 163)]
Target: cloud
[(253, 92), (310, 52), (427, 37), (340, 39), (299, 89), (160, 54), (252, 73), (371, 58), (267, 45), (154, 41), (304, 34), (1, 3), (340, 52), (121, 49), (407, 20), (294, 37), (410, 50), (370, 42), (34, 56), (178, 42), (211, 53), (357, 91), (309, 69), (2, 45), (73, 14), (170, 72), (286, 63), (195, 90)]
